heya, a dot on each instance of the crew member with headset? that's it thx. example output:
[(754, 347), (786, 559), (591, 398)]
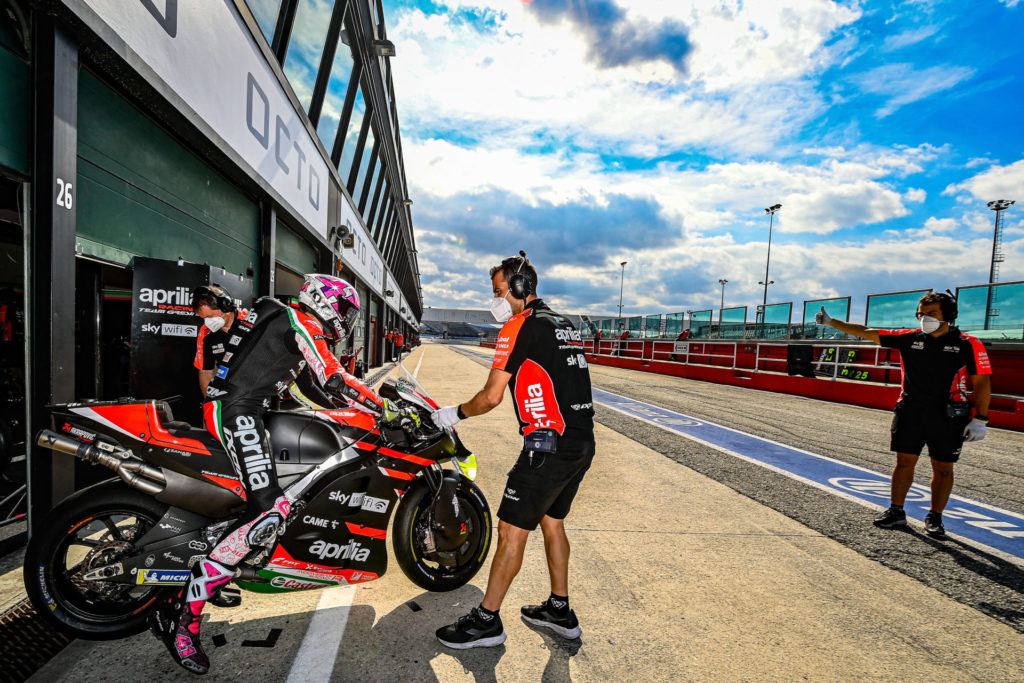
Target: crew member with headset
[(934, 408), (540, 357), (214, 305)]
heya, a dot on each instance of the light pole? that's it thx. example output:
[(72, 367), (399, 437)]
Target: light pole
[(998, 205), (622, 278), (771, 219), (721, 305)]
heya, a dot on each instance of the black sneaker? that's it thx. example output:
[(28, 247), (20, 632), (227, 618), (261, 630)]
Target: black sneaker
[(567, 625), (227, 597), (473, 630), (891, 518), (933, 524)]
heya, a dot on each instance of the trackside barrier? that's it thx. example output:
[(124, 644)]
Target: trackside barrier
[(857, 374)]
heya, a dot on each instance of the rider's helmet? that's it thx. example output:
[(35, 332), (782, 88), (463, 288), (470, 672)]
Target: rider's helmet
[(333, 301)]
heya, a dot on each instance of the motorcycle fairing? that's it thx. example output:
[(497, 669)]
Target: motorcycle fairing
[(141, 422), (285, 573), (343, 525)]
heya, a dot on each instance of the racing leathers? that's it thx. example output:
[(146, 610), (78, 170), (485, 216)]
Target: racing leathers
[(265, 352)]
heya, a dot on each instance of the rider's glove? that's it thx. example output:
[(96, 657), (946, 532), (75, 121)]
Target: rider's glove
[(975, 430), (822, 318), (446, 417), (392, 412)]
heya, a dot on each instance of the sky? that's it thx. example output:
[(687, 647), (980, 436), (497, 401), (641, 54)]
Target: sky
[(591, 132)]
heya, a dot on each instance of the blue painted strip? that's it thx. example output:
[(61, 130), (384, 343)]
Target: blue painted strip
[(984, 524)]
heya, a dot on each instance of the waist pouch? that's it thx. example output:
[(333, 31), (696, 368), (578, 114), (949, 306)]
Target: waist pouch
[(541, 441), (958, 411)]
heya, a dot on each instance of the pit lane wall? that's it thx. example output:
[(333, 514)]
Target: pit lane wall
[(854, 374)]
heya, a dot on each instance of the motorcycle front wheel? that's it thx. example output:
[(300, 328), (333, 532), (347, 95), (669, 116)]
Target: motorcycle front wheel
[(412, 522), (93, 528)]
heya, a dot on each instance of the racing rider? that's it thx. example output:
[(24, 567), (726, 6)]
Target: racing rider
[(265, 353)]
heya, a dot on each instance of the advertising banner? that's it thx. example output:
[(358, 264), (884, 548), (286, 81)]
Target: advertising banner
[(164, 330)]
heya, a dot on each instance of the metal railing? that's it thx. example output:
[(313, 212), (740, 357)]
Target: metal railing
[(831, 360)]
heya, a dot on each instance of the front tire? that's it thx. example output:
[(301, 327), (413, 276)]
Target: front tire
[(412, 519), (92, 528)]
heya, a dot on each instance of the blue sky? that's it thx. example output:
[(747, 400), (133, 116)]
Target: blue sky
[(590, 132)]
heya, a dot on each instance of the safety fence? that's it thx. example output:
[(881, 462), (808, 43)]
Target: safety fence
[(994, 312)]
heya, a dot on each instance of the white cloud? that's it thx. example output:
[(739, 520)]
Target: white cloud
[(902, 84), (836, 193), (525, 78), (908, 38), (997, 182)]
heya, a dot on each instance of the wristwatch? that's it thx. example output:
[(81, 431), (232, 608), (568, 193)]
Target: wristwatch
[(458, 411), (981, 418)]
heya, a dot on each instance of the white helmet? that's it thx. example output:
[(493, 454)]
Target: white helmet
[(333, 301)]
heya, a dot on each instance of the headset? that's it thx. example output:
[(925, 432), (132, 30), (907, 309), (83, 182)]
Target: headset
[(519, 284), (950, 309), (217, 294), (948, 304)]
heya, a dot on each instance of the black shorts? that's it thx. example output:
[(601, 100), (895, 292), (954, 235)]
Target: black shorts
[(545, 486), (914, 427)]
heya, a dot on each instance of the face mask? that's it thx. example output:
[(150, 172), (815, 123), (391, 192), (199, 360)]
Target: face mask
[(930, 324), (213, 323), (501, 309)]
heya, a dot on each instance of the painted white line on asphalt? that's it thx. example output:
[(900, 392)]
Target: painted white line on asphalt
[(416, 372), (315, 659)]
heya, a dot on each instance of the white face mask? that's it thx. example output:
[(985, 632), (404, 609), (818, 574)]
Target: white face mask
[(501, 309), (214, 323), (930, 324)]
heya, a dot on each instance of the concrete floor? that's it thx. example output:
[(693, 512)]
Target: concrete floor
[(674, 576)]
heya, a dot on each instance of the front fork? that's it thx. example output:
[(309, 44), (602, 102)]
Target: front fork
[(446, 528)]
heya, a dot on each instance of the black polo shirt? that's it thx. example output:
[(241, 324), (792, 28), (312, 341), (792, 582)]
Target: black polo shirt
[(935, 369), (210, 347), (550, 383)]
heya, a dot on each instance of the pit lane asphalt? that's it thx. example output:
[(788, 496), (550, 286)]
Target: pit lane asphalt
[(989, 471), (674, 576)]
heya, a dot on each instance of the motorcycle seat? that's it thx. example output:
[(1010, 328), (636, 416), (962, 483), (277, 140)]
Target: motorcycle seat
[(186, 431)]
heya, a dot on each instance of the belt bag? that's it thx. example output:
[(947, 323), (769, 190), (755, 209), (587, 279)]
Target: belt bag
[(541, 441), (958, 411)]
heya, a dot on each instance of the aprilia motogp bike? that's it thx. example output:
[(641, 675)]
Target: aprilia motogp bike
[(105, 555)]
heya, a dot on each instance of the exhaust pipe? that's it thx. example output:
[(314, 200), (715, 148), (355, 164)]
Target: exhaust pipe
[(134, 472), (166, 486)]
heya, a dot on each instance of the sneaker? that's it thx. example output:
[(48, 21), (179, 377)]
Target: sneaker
[(891, 518), (933, 524), (567, 625), (226, 597), (473, 630), (177, 628)]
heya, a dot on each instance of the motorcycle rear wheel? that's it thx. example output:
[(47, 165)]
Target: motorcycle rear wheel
[(92, 528), (414, 513)]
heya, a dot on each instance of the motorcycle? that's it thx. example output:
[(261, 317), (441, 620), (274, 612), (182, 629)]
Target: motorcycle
[(105, 555)]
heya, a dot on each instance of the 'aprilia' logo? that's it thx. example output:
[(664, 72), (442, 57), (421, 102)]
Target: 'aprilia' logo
[(350, 551)]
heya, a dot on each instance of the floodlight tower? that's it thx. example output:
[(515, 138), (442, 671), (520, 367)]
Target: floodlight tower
[(771, 217), (998, 205)]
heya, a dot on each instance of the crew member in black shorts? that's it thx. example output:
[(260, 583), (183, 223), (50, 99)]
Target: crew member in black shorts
[(540, 357), (934, 407)]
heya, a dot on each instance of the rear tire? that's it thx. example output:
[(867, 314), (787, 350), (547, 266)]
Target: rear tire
[(92, 528), (411, 520)]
